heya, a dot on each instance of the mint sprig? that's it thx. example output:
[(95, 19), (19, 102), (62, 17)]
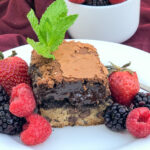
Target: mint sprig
[(51, 28)]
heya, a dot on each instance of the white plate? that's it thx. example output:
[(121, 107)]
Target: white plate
[(94, 137)]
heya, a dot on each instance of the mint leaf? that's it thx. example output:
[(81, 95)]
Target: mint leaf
[(1, 55), (35, 24), (51, 29), (54, 11), (40, 49), (58, 33), (33, 21)]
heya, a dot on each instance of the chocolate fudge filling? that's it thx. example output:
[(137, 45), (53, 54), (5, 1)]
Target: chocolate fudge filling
[(74, 93)]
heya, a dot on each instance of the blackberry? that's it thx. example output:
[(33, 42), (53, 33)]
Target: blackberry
[(141, 100), (97, 2), (3, 95), (9, 124), (115, 117)]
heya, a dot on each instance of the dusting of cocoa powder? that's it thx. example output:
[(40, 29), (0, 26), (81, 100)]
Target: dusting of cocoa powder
[(74, 61)]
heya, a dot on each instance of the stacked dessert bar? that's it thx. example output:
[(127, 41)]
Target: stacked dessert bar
[(72, 89)]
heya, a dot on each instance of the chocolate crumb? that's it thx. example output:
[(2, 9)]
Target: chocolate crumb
[(99, 115), (47, 118), (56, 120), (85, 113), (72, 120), (72, 111)]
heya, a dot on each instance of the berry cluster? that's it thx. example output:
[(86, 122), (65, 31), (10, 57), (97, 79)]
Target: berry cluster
[(22, 104), (17, 103), (97, 2), (131, 107), (9, 123), (135, 118)]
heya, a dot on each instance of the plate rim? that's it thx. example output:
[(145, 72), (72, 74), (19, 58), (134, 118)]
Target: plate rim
[(88, 41)]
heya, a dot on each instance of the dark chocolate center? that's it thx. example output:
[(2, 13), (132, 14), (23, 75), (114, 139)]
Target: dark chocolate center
[(74, 93)]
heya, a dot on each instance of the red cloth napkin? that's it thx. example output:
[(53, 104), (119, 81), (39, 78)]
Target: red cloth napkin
[(141, 39), (15, 28)]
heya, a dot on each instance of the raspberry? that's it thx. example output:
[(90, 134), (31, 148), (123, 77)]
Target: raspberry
[(138, 122), (36, 131), (77, 1), (116, 1), (22, 102)]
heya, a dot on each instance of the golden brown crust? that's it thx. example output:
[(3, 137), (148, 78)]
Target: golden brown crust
[(76, 116), (60, 117), (74, 61), (78, 61)]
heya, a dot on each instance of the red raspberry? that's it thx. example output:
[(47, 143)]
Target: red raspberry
[(138, 122), (116, 1), (22, 102), (77, 1), (36, 131)]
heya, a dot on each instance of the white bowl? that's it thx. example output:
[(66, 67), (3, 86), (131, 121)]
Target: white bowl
[(115, 23)]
